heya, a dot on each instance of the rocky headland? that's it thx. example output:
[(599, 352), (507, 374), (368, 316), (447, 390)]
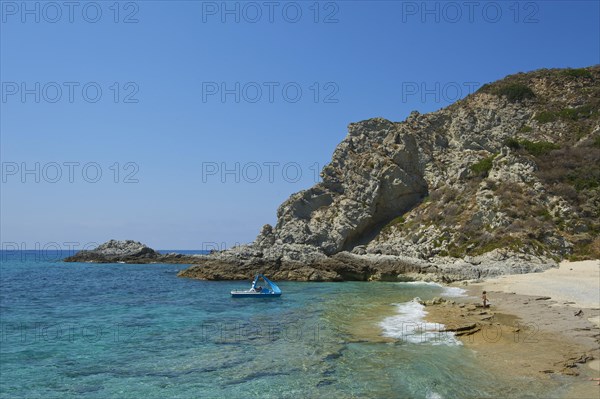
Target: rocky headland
[(505, 181), (128, 251)]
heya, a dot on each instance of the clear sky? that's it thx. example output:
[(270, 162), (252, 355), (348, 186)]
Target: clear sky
[(161, 97)]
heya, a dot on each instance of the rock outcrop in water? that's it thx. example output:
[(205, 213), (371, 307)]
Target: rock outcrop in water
[(127, 251), (506, 180), (116, 251)]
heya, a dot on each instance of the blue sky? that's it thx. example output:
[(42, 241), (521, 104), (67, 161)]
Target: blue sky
[(186, 91)]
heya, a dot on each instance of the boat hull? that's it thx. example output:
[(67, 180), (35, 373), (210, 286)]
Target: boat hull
[(253, 295), (270, 291)]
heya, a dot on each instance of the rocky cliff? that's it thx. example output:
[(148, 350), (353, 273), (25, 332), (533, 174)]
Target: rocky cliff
[(506, 180)]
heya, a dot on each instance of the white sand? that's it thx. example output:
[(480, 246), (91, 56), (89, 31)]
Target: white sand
[(577, 282)]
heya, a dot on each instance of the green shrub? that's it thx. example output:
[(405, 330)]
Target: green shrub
[(587, 110), (586, 250), (396, 221), (596, 142), (569, 114), (483, 167), (512, 143), (515, 92), (577, 73), (585, 182), (456, 250), (580, 131), (545, 117), (543, 213), (525, 129), (570, 173), (538, 147), (533, 147), (506, 242), (577, 113)]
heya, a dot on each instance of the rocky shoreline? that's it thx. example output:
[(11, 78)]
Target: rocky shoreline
[(346, 266), (240, 263), (504, 181)]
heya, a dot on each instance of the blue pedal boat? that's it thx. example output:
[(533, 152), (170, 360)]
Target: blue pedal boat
[(270, 290)]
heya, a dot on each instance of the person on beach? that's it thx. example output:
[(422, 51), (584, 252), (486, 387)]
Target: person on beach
[(485, 300)]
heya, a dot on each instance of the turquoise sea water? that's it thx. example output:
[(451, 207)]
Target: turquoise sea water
[(72, 330)]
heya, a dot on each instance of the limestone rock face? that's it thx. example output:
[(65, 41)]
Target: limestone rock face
[(375, 175), (506, 180), (114, 248)]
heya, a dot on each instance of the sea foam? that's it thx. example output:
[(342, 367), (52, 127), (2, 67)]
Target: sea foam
[(447, 291), (434, 395), (409, 325)]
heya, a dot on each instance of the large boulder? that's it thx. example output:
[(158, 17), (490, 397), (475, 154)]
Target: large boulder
[(113, 251)]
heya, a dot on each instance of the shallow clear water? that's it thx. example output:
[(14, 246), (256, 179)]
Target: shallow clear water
[(74, 330)]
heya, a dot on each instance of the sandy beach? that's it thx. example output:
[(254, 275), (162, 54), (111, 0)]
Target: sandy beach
[(575, 284), (539, 325)]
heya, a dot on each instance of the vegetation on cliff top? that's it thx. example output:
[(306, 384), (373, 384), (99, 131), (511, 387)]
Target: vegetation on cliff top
[(514, 92), (560, 215)]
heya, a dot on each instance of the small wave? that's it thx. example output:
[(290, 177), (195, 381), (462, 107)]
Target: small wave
[(447, 291), (421, 283), (454, 292), (409, 325), (433, 395)]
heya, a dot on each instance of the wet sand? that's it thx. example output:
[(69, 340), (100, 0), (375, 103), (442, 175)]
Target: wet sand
[(540, 325)]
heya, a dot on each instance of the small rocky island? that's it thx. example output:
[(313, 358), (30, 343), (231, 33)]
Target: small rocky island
[(128, 251), (506, 180)]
